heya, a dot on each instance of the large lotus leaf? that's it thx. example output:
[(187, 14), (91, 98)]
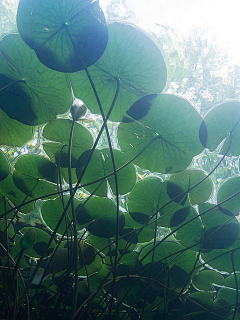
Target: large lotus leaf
[(198, 303), (131, 58), (58, 131), (31, 93), (52, 211), (220, 308), (133, 233), (170, 253), (231, 281), (12, 132), (228, 189), (100, 215), (90, 268), (179, 184), (101, 165), (148, 197), (4, 166), (39, 245), (35, 175), (89, 260), (206, 279), (220, 230), (101, 244), (222, 122), (190, 229), (229, 295), (140, 108), (10, 192), (66, 35), (167, 135), (221, 259)]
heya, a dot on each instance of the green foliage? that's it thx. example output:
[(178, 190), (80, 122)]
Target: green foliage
[(41, 92), (109, 220)]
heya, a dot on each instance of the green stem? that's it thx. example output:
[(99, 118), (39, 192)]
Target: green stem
[(15, 270), (74, 220)]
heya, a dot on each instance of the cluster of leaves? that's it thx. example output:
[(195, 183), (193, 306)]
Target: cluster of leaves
[(90, 259)]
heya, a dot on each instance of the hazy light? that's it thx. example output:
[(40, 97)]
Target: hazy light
[(219, 17)]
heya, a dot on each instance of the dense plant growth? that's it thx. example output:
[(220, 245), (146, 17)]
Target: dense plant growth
[(126, 229)]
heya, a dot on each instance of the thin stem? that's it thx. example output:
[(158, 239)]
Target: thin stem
[(74, 219)]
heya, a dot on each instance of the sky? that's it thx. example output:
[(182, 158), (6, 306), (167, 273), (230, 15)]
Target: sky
[(220, 17)]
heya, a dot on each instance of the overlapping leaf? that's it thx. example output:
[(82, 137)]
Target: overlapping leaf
[(189, 227), (220, 231), (66, 35), (206, 279), (179, 186), (178, 261), (9, 192), (222, 123), (147, 198), (130, 58), (166, 139), (39, 245), (58, 131), (12, 132), (31, 93), (52, 211), (228, 190), (100, 217), (101, 165), (35, 175)]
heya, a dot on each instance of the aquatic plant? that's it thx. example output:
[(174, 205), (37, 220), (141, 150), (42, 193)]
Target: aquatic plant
[(125, 227)]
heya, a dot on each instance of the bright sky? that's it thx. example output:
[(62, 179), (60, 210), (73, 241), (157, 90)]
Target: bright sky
[(220, 16)]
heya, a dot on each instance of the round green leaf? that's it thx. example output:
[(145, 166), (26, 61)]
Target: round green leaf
[(167, 135), (66, 35), (191, 232), (179, 261), (228, 295), (198, 303), (19, 133), (52, 210), (206, 279), (221, 259), (228, 189), (100, 216), (31, 93), (220, 230), (179, 184), (147, 197), (35, 175), (10, 192), (101, 165), (41, 240), (58, 131), (231, 282), (132, 59), (222, 122), (4, 166)]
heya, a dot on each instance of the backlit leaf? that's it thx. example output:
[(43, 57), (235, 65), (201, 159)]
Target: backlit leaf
[(131, 58), (66, 35), (31, 93), (167, 135)]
